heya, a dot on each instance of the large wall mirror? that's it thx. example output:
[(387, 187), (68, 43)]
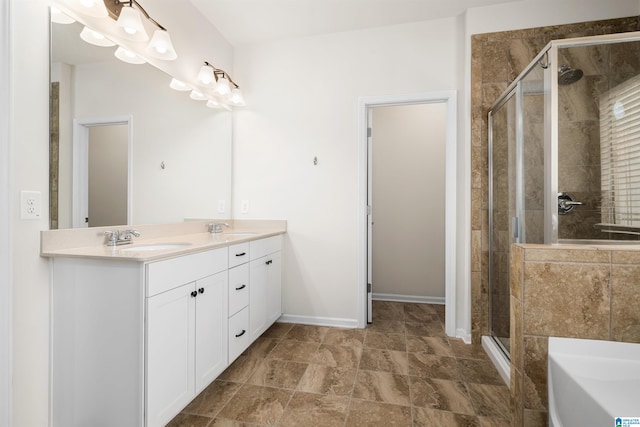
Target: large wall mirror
[(173, 159)]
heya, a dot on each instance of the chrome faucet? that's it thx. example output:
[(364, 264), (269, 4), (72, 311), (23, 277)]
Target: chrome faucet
[(216, 227), (120, 237)]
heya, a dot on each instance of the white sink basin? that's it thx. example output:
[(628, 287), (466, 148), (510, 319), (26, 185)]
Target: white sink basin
[(155, 247), (592, 382)]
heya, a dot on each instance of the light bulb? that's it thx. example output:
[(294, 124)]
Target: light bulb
[(130, 24), (127, 56), (95, 38), (236, 98), (178, 85), (198, 96), (222, 86), (205, 75), (161, 47), (212, 103)]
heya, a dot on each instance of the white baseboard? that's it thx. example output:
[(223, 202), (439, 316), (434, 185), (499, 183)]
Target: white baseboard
[(408, 298), (464, 335), (498, 358), (319, 321)]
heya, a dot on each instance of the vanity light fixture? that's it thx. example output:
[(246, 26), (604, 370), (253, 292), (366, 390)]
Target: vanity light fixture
[(210, 75), (128, 16), (95, 38), (212, 103), (95, 8), (198, 96), (179, 85), (127, 56)]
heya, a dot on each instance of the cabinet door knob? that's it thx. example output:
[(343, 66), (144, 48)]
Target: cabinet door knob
[(201, 290), (269, 262), (194, 294), (241, 333), (241, 254), (241, 287)]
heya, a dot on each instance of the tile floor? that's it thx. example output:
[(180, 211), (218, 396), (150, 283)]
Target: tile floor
[(400, 371)]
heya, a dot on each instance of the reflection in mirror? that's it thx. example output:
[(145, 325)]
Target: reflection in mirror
[(180, 151)]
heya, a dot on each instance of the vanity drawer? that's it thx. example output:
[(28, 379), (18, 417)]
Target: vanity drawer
[(238, 288), (238, 334), (238, 254), (262, 247), (171, 273)]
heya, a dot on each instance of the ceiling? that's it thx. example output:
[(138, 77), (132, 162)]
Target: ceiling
[(251, 21)]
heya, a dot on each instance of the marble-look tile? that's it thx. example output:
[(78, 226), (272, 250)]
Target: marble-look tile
[(277, 330), (223, 422), (490, 400), (307, 333), (348, 337), (211, 400), (516, 265), (387, 310), (559, 254), (535, 372), (189, 420), (441, 394), (298, 351), (387, 327), (373, 359), (432, 345), (476, 249), (625, 257), (328, 380), (516, 327), (625, 300), (261, 347), (306, 409), (278, 373), (467, 351), (337, 356), (376, 414), (424, 417), (382, 387), (440, 309), (431, 329), (516, 398), (494, 422), (535, 418), (479, 371), (257, 404), (240, 370), (429, 366), (494, 57), (419, 312), (385, 341), (567, 300)]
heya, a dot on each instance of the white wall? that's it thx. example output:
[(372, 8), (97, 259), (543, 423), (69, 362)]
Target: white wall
[(408, 144), (303, 98), (29, 171)]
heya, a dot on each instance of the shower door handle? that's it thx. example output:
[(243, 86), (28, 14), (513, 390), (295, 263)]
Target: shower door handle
[(566, 203)]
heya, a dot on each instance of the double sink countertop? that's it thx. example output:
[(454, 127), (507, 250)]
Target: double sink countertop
[(156, 242)]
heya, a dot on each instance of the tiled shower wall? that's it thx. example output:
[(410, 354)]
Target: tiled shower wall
[(496, 60)]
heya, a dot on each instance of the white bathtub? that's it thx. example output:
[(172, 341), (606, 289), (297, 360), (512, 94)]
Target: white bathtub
[(592, 382)]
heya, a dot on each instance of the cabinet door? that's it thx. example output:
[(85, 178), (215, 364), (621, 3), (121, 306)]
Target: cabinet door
[(169, 353), (274, 287), (211, 329), (257, 297), (238, 288)]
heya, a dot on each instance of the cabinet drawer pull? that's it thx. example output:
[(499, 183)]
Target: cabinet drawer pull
[(269, 262), (241, 287), (241, 333), (241, 254), (201, 290), (194, 294)]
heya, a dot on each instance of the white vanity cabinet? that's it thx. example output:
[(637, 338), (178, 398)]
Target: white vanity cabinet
[(265, 278), (239, 289), (186, 331)]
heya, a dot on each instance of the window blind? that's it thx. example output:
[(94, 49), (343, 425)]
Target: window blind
[(620, 154)]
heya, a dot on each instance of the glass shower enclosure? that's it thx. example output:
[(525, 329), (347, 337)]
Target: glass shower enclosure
[(564, 156)]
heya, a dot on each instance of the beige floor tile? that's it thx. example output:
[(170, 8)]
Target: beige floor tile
[(431, 345), (211, 400), (384, 360), (494, 422), (376, 414), (278, 330), (327, 380), (385, 341), (315, 410), (307, 333), (223, 422), (261, 347), (257, 404), (443, 395), (298, 351), (278, 373), (346, 337), (337, 356), (423, 417), (189, 420), (240, 370), (387, 326), (382, 387), (479, 371), (430, 366), (467, 351), (431, 329), (490, 400)]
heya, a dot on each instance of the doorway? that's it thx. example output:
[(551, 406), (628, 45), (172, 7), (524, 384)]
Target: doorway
[(102, 172), (366, 289)]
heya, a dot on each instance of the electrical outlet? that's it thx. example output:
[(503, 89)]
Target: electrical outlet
[(221, 206), (244, 207), (30, 204)]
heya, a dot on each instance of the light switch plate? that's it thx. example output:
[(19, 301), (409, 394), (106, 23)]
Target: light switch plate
[(244, 206), (30, 205)]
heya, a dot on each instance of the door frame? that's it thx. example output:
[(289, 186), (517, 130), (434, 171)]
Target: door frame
[(80, 180), (364, 105)]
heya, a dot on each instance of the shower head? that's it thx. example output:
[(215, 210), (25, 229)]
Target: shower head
[(568, 75)]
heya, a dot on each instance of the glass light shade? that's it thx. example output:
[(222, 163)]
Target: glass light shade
[(95, 38), (236, 98), (178, 85), (222, 86), (95, 8), (130, 25), (161, 47), (127, 56), (205, 75), (212, 103), (198, 96), (59, 17)]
